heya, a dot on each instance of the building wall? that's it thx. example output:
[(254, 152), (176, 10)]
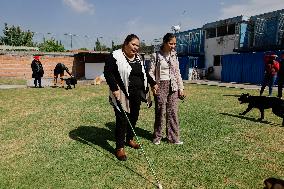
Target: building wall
[(218, 46), (93, 70), (19, 66)]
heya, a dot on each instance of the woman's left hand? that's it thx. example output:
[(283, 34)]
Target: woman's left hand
[(180, 93)]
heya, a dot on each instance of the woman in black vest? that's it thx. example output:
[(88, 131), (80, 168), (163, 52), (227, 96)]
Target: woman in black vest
[(127, 79)]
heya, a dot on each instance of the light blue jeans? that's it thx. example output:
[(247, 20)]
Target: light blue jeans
[(268, 80)]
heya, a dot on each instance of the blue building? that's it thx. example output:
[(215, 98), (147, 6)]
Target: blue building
[(233, 48), (190, 49)]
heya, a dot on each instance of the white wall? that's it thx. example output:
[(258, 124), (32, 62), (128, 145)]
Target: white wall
[(217, 46), (92, 70)]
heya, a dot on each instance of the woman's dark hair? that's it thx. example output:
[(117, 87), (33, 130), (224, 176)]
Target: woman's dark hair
[(129, 38), (167, 38)]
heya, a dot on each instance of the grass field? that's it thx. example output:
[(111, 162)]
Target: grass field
[(12, 81), (56, 138)]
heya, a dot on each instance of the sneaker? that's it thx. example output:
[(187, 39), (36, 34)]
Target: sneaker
[(178, 143), (156, 142)]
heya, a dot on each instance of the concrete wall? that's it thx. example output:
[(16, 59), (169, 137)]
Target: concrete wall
[(218, 46), (19, 66), (93, 70)]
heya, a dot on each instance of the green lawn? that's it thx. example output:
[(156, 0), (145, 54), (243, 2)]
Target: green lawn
[(56, 138), (12, 81)]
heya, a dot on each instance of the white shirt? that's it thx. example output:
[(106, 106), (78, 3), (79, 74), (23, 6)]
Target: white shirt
[(165, 68)]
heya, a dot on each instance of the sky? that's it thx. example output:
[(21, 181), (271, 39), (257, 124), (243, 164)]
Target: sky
[(113, 20)]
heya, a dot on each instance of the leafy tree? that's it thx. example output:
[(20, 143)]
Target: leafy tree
[(115, 47), (143, 48), (146, 49), (97, 45), (15, 36), (51, 46), (101, 47)]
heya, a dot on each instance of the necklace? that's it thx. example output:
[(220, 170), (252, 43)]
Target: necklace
[(167, 57), (129, 59)]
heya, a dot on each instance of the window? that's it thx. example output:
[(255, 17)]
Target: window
[(231, 29), (217, 60), (221, 31), (211, 32)]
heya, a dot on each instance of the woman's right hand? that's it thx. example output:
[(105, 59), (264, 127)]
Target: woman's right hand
[(116, 94), (155, 90)]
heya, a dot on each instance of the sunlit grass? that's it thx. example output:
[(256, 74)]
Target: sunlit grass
[(56, 138), (12, 81)]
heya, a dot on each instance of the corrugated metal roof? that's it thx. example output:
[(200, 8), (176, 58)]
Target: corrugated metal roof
[(268, 15), (233, 20)]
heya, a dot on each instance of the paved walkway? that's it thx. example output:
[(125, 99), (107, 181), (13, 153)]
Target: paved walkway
[(223, 84), (49, 82), (12, 86)]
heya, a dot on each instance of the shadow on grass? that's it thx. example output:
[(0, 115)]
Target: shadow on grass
[(91, 135), (94, 135), (232, 95), (251, 119), (144, 133), (141, 133)]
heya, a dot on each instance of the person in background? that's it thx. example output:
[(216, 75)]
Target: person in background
[(281, 75), (127, 79), (59, 70), (37, 70), (165, 71), (270, 74)]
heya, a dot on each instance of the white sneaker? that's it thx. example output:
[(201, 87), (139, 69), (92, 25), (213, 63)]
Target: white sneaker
[(157, 142), (179, 143)]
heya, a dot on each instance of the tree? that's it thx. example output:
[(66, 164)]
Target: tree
[(15, 36), (101, 47), (98, 45), (115, 47), (51, 46), (146, 49)]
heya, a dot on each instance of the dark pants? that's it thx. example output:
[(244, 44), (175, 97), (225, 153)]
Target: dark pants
[(268, 80), (122, 127), (37, 80), (280, 85)]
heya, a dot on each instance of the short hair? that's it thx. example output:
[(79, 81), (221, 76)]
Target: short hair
[(129, 38)]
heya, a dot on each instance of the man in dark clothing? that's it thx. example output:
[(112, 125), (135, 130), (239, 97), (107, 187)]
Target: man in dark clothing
[(59, 70), (281, 75), (271, 69), (37, 71)]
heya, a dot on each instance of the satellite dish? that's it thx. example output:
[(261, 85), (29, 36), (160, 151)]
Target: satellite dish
[(176, 28)]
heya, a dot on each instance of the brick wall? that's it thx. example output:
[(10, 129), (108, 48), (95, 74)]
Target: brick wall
[(19, 66)]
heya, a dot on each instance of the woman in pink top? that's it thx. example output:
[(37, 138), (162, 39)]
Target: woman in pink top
[(165, 71)]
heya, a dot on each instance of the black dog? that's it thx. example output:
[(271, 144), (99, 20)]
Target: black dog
[(273, 183), (262, 103), (70, 81)]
